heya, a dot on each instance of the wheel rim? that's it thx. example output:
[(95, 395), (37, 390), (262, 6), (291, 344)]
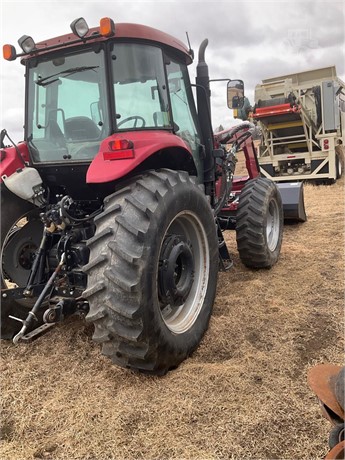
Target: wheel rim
[(273, 225), (18, 250), (186, 248)]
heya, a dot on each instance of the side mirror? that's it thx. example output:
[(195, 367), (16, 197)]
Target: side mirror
[(235, 94)]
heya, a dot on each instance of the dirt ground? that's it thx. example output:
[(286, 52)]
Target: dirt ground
[(243, 394)]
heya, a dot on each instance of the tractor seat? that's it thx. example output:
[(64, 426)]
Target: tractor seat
[(81, 129)]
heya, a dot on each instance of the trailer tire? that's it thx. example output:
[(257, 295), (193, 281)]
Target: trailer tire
[(336, 435), (338, 167), (259, 223), (152, 272)]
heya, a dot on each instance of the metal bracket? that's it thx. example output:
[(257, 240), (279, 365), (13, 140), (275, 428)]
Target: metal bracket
[(225, 258), (34, 334)]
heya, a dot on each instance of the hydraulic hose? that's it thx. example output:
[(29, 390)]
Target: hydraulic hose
[(230, 160), (224, 136)]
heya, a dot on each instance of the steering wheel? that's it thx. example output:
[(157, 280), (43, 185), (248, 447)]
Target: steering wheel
[(134, 117)]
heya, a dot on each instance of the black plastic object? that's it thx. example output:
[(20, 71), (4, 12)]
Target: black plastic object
[(292, 195)]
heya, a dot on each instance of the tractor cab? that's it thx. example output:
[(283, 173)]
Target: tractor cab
[(114, 88)]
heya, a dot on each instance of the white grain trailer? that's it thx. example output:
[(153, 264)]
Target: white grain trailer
[(302, 119)]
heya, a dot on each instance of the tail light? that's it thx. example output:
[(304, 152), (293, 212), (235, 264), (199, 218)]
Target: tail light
[(119, 149), (325, 144)]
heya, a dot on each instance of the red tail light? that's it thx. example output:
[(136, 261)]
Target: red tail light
[(119, 149), (325, 144)]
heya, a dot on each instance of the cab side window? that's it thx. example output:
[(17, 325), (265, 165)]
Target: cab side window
[(181, 104)]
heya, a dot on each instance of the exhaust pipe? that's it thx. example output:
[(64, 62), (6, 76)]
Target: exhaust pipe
[(203, 94), (203, 80)]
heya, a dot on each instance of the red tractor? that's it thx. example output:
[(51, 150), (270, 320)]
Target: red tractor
[(114, 205)]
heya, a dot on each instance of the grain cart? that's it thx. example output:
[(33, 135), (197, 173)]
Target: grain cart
[(302, 118), (110, 207)]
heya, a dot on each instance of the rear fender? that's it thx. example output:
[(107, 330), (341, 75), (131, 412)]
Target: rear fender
[(145, 144), (10, 160)]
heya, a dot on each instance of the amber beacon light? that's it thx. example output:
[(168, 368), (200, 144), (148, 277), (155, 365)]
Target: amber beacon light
[(9, 52), (107, 27)]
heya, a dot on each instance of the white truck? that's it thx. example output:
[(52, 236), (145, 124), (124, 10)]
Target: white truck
[(302, 120)]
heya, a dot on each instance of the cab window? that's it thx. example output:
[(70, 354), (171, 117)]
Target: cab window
[(182, 106), (139, 87)]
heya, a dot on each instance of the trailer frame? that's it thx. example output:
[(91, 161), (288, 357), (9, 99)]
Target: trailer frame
[(320, 151)]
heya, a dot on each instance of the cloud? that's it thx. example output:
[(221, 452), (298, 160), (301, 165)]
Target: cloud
[(248, 40)]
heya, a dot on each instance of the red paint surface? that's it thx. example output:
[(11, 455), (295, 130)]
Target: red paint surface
[(276, 110), (122, 30), (145, 143), (10, 160)]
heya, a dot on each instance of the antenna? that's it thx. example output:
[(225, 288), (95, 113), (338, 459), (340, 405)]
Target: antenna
[(191, 52)]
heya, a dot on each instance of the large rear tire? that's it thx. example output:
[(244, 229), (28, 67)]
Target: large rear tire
[(152, 272), (259, 223)]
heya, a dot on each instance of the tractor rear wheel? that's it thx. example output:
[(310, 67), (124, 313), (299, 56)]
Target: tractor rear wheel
[(259, 223), (152, 272), (19, 241)]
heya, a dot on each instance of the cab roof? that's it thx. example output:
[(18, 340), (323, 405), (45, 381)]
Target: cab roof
[(122, 31)]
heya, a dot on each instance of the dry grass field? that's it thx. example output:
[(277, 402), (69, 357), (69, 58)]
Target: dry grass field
[(243, 394)]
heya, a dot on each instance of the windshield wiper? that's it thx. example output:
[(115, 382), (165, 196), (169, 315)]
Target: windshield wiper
[(46, 80)]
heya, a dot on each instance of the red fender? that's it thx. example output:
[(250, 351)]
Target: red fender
[(143, 144), (10, 160)]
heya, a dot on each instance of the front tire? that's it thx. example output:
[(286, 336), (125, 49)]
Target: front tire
[(259, 223), (152, 273)]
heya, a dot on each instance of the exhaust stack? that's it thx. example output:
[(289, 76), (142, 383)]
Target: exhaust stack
[(204, 110)]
